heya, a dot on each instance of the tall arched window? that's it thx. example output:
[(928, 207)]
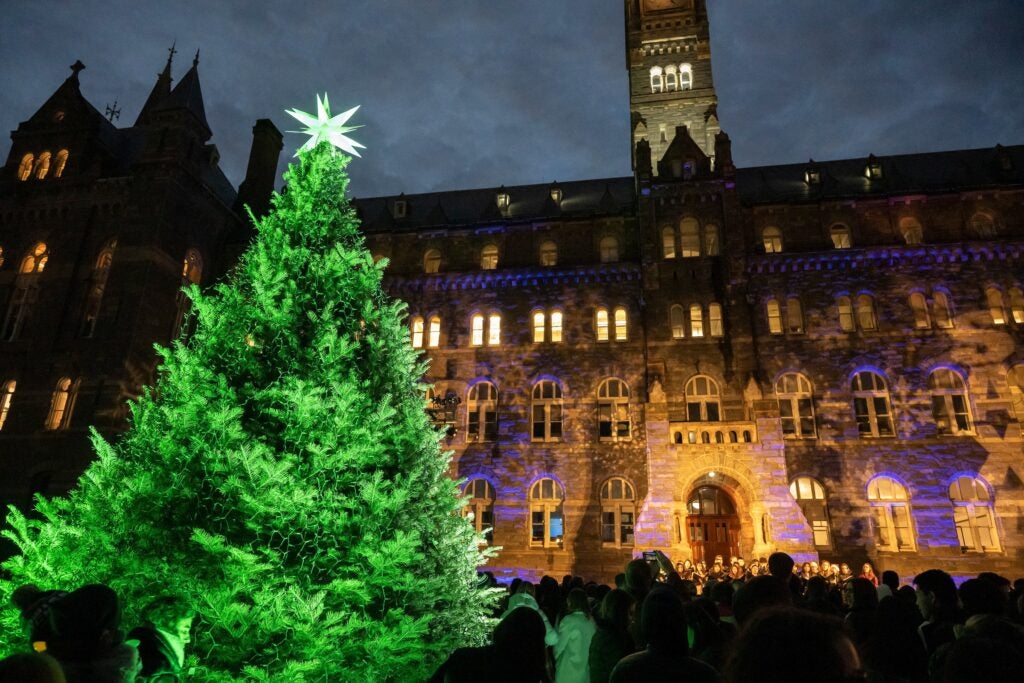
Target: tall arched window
[(494, 329), (919, 306), (613, 410), (35, 261), (609, 250), (482, 412), (42, 165), (973, 514), (943, 310), (796, 406), (846, 321), (548, 253), (657, 79), (601, 324), (26, 289), (911, 230), (60, 163), (871, 404), (950, 406), (703, 400), (434, 332), (890, 505), (62, 403), (711, 247), (994, 298), (417, 332), (685, 77), (432, 261), (191, 274), (1017, 305), (866, 318), (671, 78), (489, 257), (982, 225), (794, 316), (621, 324), (546, 411), (480, 506), (539, 327), (547, 519), (715, 320), (771, 237), (25, 167), (6, 398), (97, 286), (618, 512), (677, 321), (840, 236), (668, 242), (774, 312), (810, 496), (696, 321), (689, 238)]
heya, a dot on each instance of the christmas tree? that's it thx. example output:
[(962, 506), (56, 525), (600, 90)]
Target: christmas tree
[(282, 474)]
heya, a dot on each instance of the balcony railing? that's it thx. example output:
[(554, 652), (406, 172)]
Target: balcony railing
[(712, 433)]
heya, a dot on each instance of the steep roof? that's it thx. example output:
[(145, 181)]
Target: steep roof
[(188, 95)]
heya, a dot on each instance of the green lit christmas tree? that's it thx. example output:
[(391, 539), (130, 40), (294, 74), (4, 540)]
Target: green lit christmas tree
[(282, 474)]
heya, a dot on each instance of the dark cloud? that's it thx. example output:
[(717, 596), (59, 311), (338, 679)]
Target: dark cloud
[(470, 93)]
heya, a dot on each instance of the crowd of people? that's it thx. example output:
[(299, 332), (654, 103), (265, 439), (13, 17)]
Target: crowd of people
[(767, 620), (77, 637)]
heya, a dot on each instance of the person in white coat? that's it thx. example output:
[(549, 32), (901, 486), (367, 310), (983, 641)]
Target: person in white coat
[(575, 630)]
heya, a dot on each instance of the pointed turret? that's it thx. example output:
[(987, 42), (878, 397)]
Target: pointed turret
[(187, 98), (161, 89)]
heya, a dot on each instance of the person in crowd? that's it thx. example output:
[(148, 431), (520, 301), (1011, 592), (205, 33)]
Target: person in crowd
[(990, 649), (575, 631), (816, 597), (667, 654), (825, 569), (700, 574), (34, 606), (722, 594), (780, 565), (891, 579), (860, 620), (613, 636), (845, 573), (893, 652), (166, 630), (717, 572), (687, 570), (31, 667), (937, 600), (793, 645), (868, 572), (517, 654), (758, 594), (980, 597), (87, 639), (524, 597)]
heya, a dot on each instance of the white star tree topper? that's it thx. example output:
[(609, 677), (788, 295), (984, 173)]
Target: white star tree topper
[(323, 126)]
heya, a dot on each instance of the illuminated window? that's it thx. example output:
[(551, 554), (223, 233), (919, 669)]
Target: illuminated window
[(871, 404), (442, 411), (482, 412), (60, 163), (1, 256), (685, 77), (982, 225), (432, 261), (556, 326), (671, 78), (548, 253), (601, 324), (994, 298), (61, 405), (911, 230), (689, 238), (25, 167), (919, 306), (668, 242), (943, 311), (480, 507), (810, 496), (191, 274), (621, 327), (703, 400), (485, 329), (796, 406), (26, 290), (696, 321), (677, 322), (609, 250), (489, 257), (794, 316), (6, 398), (618, 512), (774, 316), (771, 237), (539, 327), (494, 329), (434, 332), (715, 320), (846, 323), (36, 259), (950, 406), (503, 200), (890, 505), (973, 514), (873, 169), (556, 195), (657, 79), (866, 318), (711, 240), (42, 165), (840, 235), (1015, 383), (97, 285), (1017, 305), (546, 409), (613, 410), (417, 333), (547, 519), (476, 337)]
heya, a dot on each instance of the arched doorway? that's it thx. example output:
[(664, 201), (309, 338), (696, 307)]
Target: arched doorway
[(712, 525)]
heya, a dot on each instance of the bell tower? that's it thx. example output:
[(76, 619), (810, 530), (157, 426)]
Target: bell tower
[(668, 54)]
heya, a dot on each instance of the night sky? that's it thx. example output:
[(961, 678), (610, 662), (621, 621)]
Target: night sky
[(478, 93)]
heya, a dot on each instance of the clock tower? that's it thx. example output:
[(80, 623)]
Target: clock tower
[(669, 60)]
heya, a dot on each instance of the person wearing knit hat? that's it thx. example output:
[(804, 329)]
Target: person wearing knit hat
[(87, 639)]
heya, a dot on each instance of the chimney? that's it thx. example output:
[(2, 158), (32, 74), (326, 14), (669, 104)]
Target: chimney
[(261, 174), (723, 156)]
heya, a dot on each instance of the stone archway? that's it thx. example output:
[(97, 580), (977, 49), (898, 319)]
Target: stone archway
[(712, 526), (731, 530)]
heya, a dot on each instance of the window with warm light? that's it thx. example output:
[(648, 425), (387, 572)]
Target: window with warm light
[(548, 253), (62, 403), (546, 411), (942, 309), (771, 237), (840, 236), (919, 307), (866, 318), (871, 405), (547, 519), (35, 260), (677, 321), (42, 165), (613, 410), (890, 506), (911, 230), (696, 321), (689, 238), (601, 324), (556, 327), (711, 247), (715, 320), (703, 400), (503, 200), (657, 79), (796, 406), (1017, 305), (60, 162), (994, 298), (794, 316), (621, 324), (434, 332), (494, 329), (609, 250), (482, 412), (668, 243), (618, 513), (6, 398), (489, 257), (810, 496), (671, 78), (774, 316), (97, 286), (973, 514), (25, 167), (950, 404), (479, 509), (417, 333), (432, 261), (539, 327), (685, 77), (846, 320)]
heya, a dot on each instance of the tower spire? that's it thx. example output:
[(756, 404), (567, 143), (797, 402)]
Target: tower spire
[(195, 61), (170, 58)]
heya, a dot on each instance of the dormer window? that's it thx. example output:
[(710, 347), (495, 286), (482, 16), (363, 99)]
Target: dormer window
[(556, 195), (503, 200), (873, 169), (812, 174), (400, 208)]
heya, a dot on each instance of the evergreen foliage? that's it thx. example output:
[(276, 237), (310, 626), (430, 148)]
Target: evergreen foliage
[(282, 474)]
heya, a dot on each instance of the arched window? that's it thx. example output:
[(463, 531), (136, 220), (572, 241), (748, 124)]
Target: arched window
[(434, 332), (994, 298), (546, 410), (657, 79), (42, 165), (548, 253), (771, 237), (668, 242), (97, 285), (60, 163), (671, 78), (871, 404), (618, 511), (846, 323), (432, 261), (890, 505), (840, 235), (480, 507), (794, 316), (950, 406), (1017, 305), (25, 167), (191, 274), (547, 519), (972, 513), (482, 412), (703, 400), (982, 225), (685, 77), (556, 327), (696, 321), (911, 230), (774, 316), (715, 320), (494, 329), (61, 404), (943, 310), (810, 496), (796, 406), (489, 257), (35, 260), (476, 335), (711, 240), (919, 306), (613, 410), (689, 238), (866, 318), (621, 324), (539, 327), (677, 321), (25, 292), (601, 324), (609, 250), (417, 332), (6, 398)]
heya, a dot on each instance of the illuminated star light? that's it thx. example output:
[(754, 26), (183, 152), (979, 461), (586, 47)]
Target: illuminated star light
[(323, 126)]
